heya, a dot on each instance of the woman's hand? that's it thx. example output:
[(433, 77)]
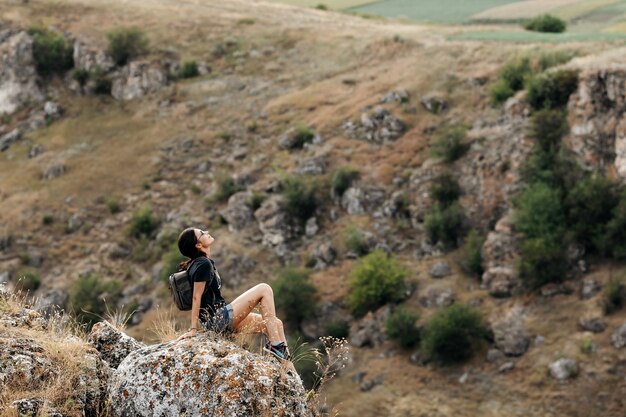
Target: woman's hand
[(190, 333)]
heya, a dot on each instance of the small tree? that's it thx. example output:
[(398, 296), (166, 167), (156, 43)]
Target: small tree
[(453, 334), (401, 327), (375, 281), (301, 196), (52, 53), (126, 44), (444, 224), (542, 260), (539, 212), (445, 189), (295, 295), (546, 23), (473, 252)]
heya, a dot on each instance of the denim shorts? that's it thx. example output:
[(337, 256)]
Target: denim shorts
[(222, 320)]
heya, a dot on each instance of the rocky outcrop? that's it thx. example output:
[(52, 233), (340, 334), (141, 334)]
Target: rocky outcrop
[(362, 199), (112, 344), (90, 58), (138, 79), (499, 254), (370, 330), (618, 338), (434, 103), (18, 75), (238, 213), (204, 376), (435, 297), (440, 269), (596, 116), (510, 333), (378, 126), (564, 368), (274, 223)]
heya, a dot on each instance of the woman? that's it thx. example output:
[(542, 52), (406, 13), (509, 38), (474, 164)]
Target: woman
[(209, 308)]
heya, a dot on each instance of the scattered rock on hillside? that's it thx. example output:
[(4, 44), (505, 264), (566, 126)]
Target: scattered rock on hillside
[(499, 256), (564, 368), (112, 344), (90, 58), (370, 330), (35, 151), (274, 223), (324, 254), (434, 103), (53, 170), (52, 110), (396, 206), (29, 407), (328, 314), (377, 126), (138, 79), (440, 269), (398, 96), (434, 297), (52, 301), (204, 375), (18, 76), (315, 165), (592, 323), (369, 384), (590, 287), (238, 213), (619, 337), (510, 333), (297, 138), (361, 200), (9, 139)]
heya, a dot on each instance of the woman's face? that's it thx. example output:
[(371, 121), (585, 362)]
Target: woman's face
[(205, 240)]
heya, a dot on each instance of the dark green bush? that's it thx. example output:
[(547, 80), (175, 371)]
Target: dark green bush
[(341, 180), (113, 204), (453, 334), (547, 127), (589, 206), (90, 296), (614, 296), (226, 186), (614, 241), (339, 329), (143, 223), (81, 75), (52, 53), (295, 295), (558, 170), (542, 260), (449, 143), (189, 70), (171, 259), (515, 72), (126, 44), (444, 224), (473, 252), (401, 327), (546, 23), (47, 219), (551, 90), (499, 92), (28, 281), (102, 82), (445, 189), (301, 196), (303, 134), (539, 212), (376, 280), (355, 241)]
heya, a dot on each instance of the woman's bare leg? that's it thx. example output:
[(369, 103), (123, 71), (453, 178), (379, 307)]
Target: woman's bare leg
[(263, 296), (254, 323)]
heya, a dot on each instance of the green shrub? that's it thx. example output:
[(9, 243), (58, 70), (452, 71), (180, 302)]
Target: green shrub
[(355, 241), (473, 252), (301, 196), (28, 281), (614, 296), (321, 6), (401, 327), (52, 53), (143, 223), (539, 212), (113, 204), (339, 329), (589, 206), (453, 334), (341, 180), (90, 296), (102, 83), (295, 295), (189, 70), (226, 186), (376, 280), (546, 23), (448, 143), (587, 346), (303, 134), (547, 127), (47, 219), (499, 92), (551, 90), (81, 75), (559, 170), (444, 224), (542, 260), (256, 200), (614, 241), (515, 72), (126, 44), (171, 259), (445, 189)]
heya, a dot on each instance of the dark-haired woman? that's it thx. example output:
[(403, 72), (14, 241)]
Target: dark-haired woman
[(209, 308)]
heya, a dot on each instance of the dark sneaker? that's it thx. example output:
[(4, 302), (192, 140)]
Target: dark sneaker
[(281, 351)]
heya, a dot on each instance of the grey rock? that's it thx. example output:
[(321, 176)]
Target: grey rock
[(5, 276), (434, 103), (397, 96), (311, 227), (434, 297), (52, 301), (510, 334), (315, 165), (370, 330), (396, 206), (75, 222), (564, 368), (361, 200), (590, 287), (9, 139), (90, 58), (506, 367), (440, 269), (238, 213), (494, 355), (592, 324), (112, 344), (295, 138), (138, 79), (377, 126), (618, 338), (154, 379), (274, 222), (116, 251), (53, 170), (35, 151), (371, 383), (52, 110), (324, 254)]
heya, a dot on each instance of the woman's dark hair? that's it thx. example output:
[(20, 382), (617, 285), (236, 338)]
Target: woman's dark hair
[(187, 246)]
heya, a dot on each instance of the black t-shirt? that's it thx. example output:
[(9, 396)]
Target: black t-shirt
[(203, 270)]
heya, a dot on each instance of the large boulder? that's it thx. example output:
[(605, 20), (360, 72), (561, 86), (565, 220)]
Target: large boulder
[(619, 337), (500, 253), (112, 344), (238, 214), (377, 125), (274, 223), (91, 58), (204, 375), (370, 330), (564, 368), (510, 333), (361, 200), (18, 75), (138, 79)]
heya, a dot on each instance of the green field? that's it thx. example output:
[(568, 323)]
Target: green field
[(437, 11), (532, 37)]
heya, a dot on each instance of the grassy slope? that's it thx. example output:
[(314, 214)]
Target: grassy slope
[(308, 86)]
